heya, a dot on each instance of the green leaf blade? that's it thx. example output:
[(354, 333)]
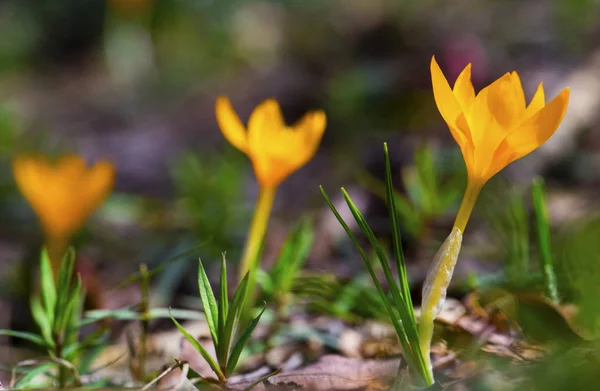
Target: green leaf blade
[(223, 310), (41, 318), (235, 313), (544, 243), (241, 342), (33, 338), (293, 255), (397, 236), (48, 287), (200, 349), (208, 302)]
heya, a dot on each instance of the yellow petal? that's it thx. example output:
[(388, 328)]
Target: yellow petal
[(311, 127), (450, 108), (265, 145), (95, 187), (537, 102), (463, 89), (532, 134), (265, 123), (230, 124), (518, 90), (445, 100), (539, 128), (26, 176), (277, 150), (489, 120)]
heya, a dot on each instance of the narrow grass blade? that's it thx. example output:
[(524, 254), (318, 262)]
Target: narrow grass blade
[(241, 342), (397, 237), (48, 287), (368, 232), (223, 299), (203, 352), (223, 310), (208, 302), (262, 379), (544, 246), (402, 304), (393, 316)]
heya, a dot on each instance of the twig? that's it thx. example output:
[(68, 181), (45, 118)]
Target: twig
[(163, 374)]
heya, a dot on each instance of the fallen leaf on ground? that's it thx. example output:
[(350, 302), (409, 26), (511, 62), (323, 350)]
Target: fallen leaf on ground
[(333, 372)]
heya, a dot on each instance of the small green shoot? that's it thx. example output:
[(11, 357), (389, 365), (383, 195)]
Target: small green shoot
[(223, 318), (543, 231), (57, 312), (279, 282), (399, 307), (427, 194)]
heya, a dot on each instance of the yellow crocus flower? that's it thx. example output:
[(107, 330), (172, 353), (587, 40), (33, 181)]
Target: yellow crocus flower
[(63, 194), (493, 129), (276, 151)]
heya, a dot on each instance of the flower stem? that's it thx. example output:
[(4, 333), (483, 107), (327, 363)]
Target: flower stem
[(441, 270), (57, 248), (258, 228), (467, 204)]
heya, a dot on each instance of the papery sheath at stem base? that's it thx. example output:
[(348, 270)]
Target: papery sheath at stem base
[(435, 287)]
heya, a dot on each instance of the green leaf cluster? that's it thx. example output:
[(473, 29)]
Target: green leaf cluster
[(57, 311), (399, 306), (223, 318)]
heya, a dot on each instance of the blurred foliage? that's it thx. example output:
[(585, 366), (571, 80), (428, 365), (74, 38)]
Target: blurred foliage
[(507, 215), (429, 194), (578, 265), (7, 131), (210, 190), (352, 300), (429, 191), (277, 284)]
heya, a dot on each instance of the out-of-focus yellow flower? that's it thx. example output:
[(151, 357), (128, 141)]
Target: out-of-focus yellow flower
[(275, 149), (63, 194), (496, 126)]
